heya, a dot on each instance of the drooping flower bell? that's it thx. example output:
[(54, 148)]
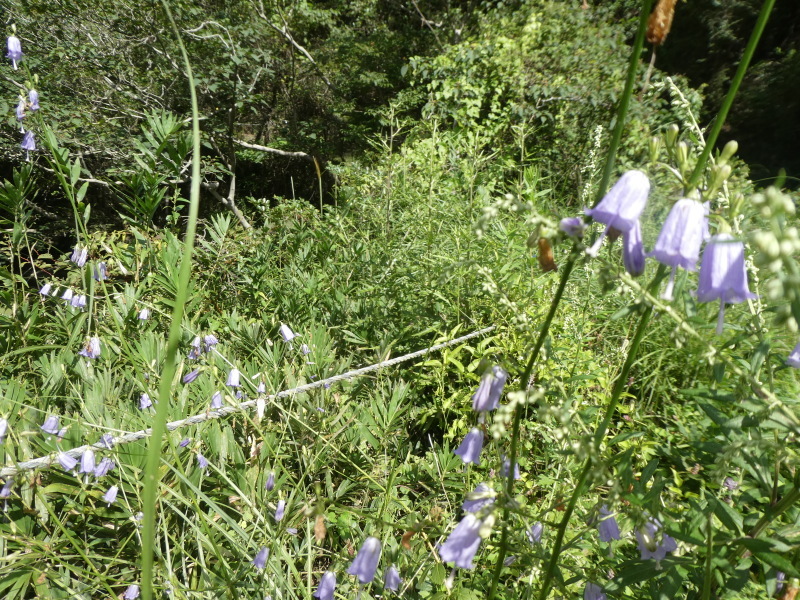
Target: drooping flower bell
[(100, 272), (103, 467), (593, 592), (3, 429), (633, 250), (470, 448), (794, 357), (487, 396), (5, 491), (621, 207), (392, 579), (216, 400), (504, 468), (132, 593), (327, 585), (144, 314), (287, 334), (365, 563), (270, 484), (679, 242), (723, 275), (79, 256), (111, 495), (144, 401), (649, 544), (534, 534), (67, 462), (33, 100), (607, 525), (573, 226), (91, 349), (481, 497), (191, 376), (50, 425), (260, 560), (202, 461), (233, 378), (28, 144), (14, 50), (87, 462), (280, 510), (45, 291), (21, 114), (461, 545)]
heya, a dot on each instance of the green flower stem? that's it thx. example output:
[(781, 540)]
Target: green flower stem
[(619, 387), (722, 115), (151, 478), (608, 168)]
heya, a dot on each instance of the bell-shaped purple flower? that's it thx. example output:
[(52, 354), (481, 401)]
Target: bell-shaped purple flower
[(103, 467), (145, 401), (67, 462), (622, 206), (79, 256), (3, 430), (679, 242), (101, 272), (794, 357), (262, 388), (144, 314), (573, 226), (504, 468), (365, 563), (633, 250), (28, 143), (78, 301), (202, 461), (33, 99), (233, 378), (20, 112), (286, 333), (111, 495), (280, 510), (87, 462), (649, 544), (723, 275), (67, 296), (50, 425), (210, 341), (184, 442), (107, 441), (5, 492), (594, 592), (45, 291), (270, 484), (14, 50), (534, 534), (260, 560), (327, 585), (91, 349), (487, 396), (461, 545), (216, 400), (131, 593), (607, 525), (479, 498), (392, 579), (191, 376), (470, 448)]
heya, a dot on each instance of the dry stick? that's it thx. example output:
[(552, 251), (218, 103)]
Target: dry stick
[(46, 461)]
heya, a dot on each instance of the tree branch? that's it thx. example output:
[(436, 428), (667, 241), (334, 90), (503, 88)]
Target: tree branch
[(274, 150)]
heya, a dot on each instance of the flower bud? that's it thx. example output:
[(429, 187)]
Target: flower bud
[(727, 152)]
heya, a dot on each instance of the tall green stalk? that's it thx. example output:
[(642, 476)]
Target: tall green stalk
[(608, 169), (151, 477)]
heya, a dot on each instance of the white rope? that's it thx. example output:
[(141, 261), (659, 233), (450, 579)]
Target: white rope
[(46, 461)]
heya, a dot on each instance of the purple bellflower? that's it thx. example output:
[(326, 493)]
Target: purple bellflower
[(679, 242), (607, 525), (730, 484), (621, 207), (111, 495), (479, 498), (487, 396), (91, 349), (633, 250), (66, 461), (504, 468), (191, 376), (131, 593), (216, 400), (470, 448), (144, 314), (260, 561), (573, 226), (196, 350), (107, 441), (233, 378), (287, 334), (327, 585), (280, 510), (210, 341), (87, 462), (45, 291), (78, 301), (3, 430), (184, 442), (794, 357), (67, 296), (33, 98), (649, 546), (723, 275), (103, 467), (21, 114), (101, 272), (365, 563), (79, 256), (462, 543), (50, 425), (202, 461), (14, 50), (594, 592), (392, 579), (144, 401), (270, 484), (5, 492), (262, 388), (28, 144), (535, 533)]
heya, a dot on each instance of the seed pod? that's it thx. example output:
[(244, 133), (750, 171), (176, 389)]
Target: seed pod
[(660, 21)]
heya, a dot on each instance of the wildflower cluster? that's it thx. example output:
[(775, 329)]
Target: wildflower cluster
[(28, 102)]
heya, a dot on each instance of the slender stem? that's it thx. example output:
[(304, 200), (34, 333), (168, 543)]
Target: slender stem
[(706, 594), (151, 479), (722, 115)]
